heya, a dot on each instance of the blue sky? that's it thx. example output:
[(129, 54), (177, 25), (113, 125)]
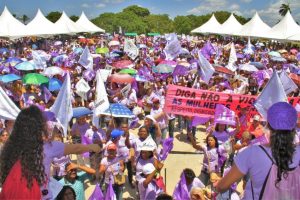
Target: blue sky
[(268, 9)]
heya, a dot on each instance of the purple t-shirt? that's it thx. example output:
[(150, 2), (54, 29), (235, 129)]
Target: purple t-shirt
[(253, 160), (213, 156), (82, 128)]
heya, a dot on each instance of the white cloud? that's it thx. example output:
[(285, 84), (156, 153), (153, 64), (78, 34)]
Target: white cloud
[(234, 7), (85, 5), (246, 1), (113, 1), (100, 5), (208, 6)]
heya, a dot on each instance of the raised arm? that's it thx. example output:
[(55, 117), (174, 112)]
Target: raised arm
[(80, 148), (198, 147)]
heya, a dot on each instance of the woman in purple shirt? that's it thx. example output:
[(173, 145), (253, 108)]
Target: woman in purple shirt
[(282, 119)]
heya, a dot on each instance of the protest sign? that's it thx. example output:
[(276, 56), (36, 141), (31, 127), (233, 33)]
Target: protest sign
[(194, 102)]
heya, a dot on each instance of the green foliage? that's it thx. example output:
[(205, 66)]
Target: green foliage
[(74, 18), (24, 18), (183, 24), (54, 16), (139, 11), (158, 24)]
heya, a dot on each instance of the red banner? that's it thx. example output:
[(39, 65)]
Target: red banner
[(194, 102)]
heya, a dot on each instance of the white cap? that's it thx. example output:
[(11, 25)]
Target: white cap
[(148, 168), (147, 147), (150, 117)]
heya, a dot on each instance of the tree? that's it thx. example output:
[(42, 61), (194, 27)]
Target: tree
[(74, 18), (158, 24), (182, 24), (106, 21), (24, 18), (139, 11), (54, 16), (284, 8)]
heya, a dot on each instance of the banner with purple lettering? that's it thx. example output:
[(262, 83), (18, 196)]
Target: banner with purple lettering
[(194, 102)]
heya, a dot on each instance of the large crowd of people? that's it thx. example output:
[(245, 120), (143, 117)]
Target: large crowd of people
[(35, 161)]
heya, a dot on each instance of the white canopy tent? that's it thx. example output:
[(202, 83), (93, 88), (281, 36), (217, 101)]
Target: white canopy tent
[(11, 27), (230, 26), (295, 37), (254, 28), (211, 26), (40, 26), (284, 29), (84, 22), (65, 25)]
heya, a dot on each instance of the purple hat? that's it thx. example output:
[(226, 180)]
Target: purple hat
[(282, 116)]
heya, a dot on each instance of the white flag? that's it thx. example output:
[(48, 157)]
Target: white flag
[(272, 93), (39, 60), (125, 90), (206, 68), (82, 88), (62, 106), (173, 48), (131, 50), (232, 58), (101, 102), (86, 59), (8, 109), (288, 84)]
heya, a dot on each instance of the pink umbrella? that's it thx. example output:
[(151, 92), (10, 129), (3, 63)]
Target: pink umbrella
[(294, 51), (122, 64), (121, 78), (169, 62)]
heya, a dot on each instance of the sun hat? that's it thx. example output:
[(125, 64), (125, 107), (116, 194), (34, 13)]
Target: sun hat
[(116, 133), (282, 116), (148, 168), (150, 117), (147, 147)]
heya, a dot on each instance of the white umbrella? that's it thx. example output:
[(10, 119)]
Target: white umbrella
[(114, 43), (248, 67), (51, 71)]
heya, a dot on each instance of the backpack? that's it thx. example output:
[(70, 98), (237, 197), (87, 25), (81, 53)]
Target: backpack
[(287, 188), (15, 186)]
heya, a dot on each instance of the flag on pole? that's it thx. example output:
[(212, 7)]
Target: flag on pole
[(181, 191), (272, 93), (167, 148), (173, 48), (62, 107), (97, 194), (110, 194), (205, 68), (47, 94), (101, 103), (232, 58), (131, 49), (207, 50), (82, 88), (86, 59), (224, 115), (288, 84), (8, 109)]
